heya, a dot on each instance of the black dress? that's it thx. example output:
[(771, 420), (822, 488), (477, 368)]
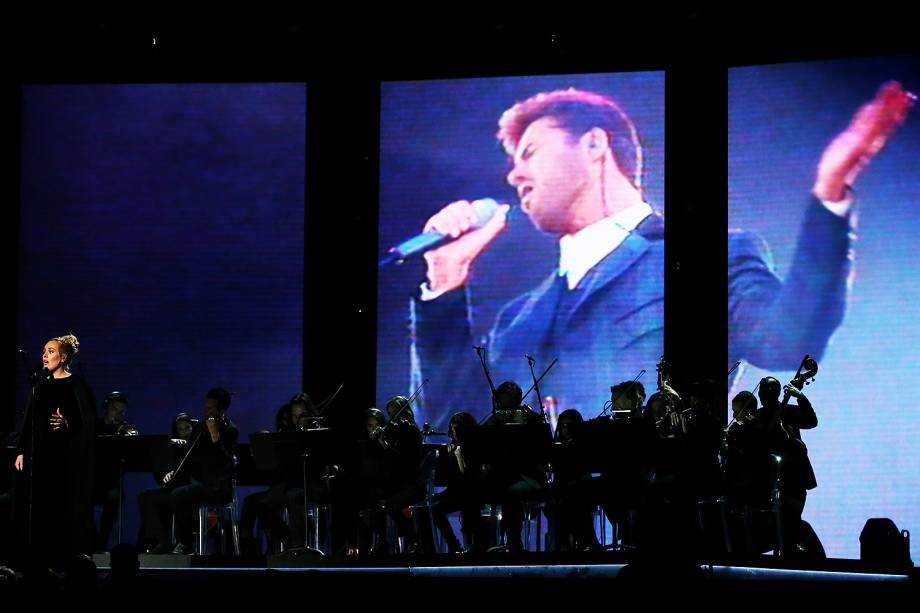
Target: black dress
[(58, 471)]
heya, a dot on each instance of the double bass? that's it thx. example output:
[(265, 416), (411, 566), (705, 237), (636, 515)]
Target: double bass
[(805, 375)]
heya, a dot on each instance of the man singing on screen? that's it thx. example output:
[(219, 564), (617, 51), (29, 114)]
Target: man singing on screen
[(577, 168)]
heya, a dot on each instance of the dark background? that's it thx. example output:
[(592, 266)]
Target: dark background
[(163, 225)]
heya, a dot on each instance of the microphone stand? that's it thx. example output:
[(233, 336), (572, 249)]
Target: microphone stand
[(35, 378), (536, 385), (537, 381), (480, 351)]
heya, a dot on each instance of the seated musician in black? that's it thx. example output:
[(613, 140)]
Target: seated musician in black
[(183, 427), (516, 481), (625, 481), (575, 491), (665, 411), (668, 421), (209, 466), (304, 416), (283, 420), (462, 491), (113, 422), (114, 417), (154, 504), (665, 512), (780, 427), (388, 479), (252, 504), (628, 399), (304, 413), (742, 468), (288, 492), (686, 463), (704, 438)]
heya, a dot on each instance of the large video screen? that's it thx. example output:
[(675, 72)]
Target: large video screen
[(835, 277), (548, 193)]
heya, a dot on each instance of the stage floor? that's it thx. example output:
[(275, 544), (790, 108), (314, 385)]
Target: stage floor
[(524, 566)]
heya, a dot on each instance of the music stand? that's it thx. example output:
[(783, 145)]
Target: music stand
[(278, 450), (611, 444), (507, 447), (621, 450), (497, 444), (247, 474), (440, 479), (133, 453)]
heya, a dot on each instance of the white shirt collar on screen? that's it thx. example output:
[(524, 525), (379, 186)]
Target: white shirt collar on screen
[(580, 252)]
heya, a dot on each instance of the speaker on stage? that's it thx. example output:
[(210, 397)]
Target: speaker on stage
[(881, 543)]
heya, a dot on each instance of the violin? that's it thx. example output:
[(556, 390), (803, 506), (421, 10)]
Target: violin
[(310, 422), (126, 429)]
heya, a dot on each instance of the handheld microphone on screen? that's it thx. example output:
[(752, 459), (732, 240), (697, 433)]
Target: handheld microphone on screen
[(484, 208)]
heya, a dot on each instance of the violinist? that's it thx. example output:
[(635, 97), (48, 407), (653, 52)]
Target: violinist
[(739, 453), (105, 484), (209, 463), (704, 438), (509, 406), (388, 479), (744, 408), (258, 505), (154, 503), (628, 397), (623, 483), (304, 413), (462, 492), (575, 491), (182, 429), (290, 492), (517, 480), (298, 414), (114, 417), (667, 512)]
